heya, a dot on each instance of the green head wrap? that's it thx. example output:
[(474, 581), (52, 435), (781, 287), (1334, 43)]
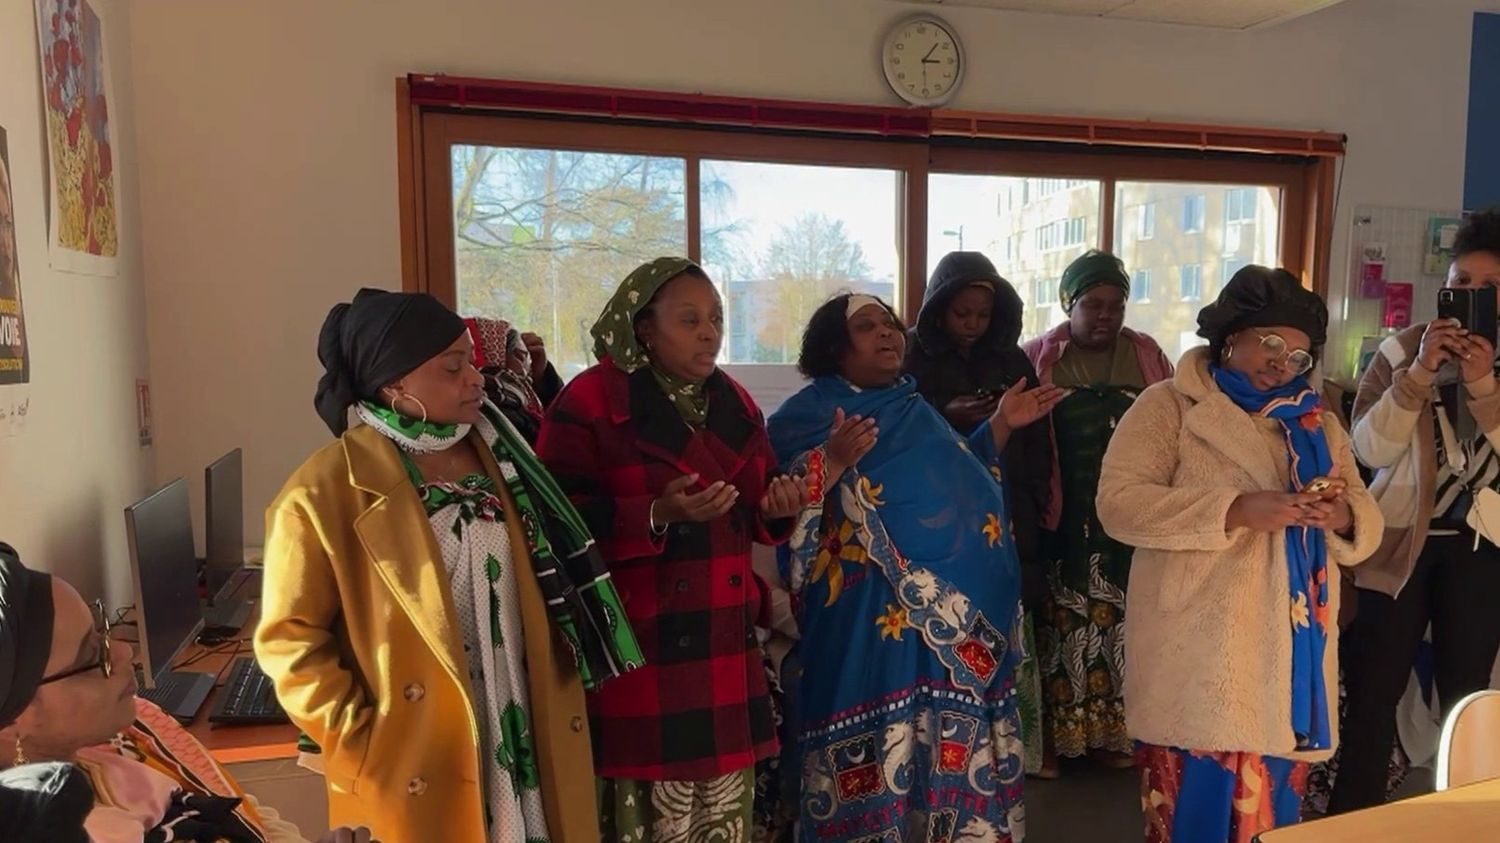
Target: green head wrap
[(1092, 269), (615, 339)]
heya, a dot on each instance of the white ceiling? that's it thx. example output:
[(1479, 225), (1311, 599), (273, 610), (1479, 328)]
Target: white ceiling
[(1224, 14)]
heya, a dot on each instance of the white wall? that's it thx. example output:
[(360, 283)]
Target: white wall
[(268, 164), (66, 478)]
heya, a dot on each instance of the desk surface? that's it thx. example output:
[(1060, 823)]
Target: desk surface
[(1461, 814), (231, 744)]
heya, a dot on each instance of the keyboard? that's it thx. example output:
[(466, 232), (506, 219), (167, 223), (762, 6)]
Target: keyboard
[(248, 697), (178, 693)]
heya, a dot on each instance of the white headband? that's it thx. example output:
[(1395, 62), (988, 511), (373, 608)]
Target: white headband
[(858, 303)]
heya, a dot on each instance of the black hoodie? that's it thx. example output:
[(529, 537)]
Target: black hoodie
[(995, 363)]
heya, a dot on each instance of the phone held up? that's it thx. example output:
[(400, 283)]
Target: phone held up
[(1473, 308)]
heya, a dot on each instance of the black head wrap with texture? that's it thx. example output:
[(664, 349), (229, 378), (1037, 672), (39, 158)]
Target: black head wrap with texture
[(1260, 297), (374, 340), (25, 632)]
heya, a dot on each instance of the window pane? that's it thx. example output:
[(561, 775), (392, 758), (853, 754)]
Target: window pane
[(544, 235), (1031, 228), (781, 238), (1204, 233)]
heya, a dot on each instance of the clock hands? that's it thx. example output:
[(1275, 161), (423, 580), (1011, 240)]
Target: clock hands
[(928, 59)]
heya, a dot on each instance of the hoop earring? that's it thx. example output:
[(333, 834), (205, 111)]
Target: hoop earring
[(1227, 353), (21, 753), (414, 399)]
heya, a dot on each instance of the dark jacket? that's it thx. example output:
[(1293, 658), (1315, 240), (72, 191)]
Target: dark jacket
[(995, 363)]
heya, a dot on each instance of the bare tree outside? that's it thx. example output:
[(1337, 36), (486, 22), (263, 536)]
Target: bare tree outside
[(811, 258), (544, 236)]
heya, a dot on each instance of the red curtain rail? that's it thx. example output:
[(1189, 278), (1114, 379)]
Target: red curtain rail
[(702, 109)]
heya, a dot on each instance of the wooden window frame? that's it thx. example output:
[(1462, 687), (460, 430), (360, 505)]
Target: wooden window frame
[(1303, 166)]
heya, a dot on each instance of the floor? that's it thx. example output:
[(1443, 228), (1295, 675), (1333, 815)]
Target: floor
[(1090, 804)]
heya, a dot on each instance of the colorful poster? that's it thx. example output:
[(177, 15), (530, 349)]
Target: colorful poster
[(1441, 232), (1372, 279), (15, 364), (84, 225), (1398, 302)]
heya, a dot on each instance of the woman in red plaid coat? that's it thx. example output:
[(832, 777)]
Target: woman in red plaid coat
[(668, 460)]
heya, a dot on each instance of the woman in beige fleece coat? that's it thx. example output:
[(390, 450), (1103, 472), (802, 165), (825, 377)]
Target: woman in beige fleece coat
[(1214, 477)]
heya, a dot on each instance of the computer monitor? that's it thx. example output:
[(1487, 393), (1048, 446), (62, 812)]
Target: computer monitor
[(164, 565), (225, 530)]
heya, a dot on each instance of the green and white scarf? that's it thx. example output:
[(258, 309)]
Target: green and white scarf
[(576, 586)]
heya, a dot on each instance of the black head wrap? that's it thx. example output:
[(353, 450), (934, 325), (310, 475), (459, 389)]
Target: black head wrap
[(1259, 297), (376, 339), (44, 802), (25, 632)]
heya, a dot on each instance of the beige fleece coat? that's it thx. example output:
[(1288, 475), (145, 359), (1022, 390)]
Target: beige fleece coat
[(1208, 650)]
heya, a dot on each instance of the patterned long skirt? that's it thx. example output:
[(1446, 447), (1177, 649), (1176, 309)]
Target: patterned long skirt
[(717, 810), (1217, 797)]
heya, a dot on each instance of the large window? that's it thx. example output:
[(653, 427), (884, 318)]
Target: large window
[(780, 239), (1060, 214), (1191, 247), (536, 220), (543, 235)]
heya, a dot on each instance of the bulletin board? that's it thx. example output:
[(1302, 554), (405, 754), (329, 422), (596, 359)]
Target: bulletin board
[(1405, 234)]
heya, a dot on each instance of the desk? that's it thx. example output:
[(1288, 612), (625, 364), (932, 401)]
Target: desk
[(232, 744), (1453, 816)]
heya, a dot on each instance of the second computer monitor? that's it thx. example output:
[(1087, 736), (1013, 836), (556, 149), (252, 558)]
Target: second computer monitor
[(165, 568), (224, 532)]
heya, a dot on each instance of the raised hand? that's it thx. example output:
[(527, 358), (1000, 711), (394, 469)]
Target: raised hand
[(676, 504), (784, 497), (1020, 406)]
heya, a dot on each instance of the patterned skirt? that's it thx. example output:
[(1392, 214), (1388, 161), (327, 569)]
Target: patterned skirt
[(1217, 797), (637, 811)]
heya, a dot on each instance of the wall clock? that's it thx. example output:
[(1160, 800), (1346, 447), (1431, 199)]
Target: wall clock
[(923, 61)]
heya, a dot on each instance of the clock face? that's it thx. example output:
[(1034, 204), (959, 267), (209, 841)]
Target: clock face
[(923, 61)]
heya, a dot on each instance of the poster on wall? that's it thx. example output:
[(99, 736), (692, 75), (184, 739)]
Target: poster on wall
[(1441, 233), (83, 224), (15, 363)]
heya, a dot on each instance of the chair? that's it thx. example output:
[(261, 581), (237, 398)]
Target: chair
[(1470, 747)]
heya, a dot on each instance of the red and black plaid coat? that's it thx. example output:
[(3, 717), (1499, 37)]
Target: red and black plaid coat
[(700, 708)]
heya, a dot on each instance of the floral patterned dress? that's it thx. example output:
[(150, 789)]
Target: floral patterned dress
[(468, 520), (908, 588)]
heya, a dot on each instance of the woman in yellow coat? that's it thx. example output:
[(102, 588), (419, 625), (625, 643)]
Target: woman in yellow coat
[(433, 606)]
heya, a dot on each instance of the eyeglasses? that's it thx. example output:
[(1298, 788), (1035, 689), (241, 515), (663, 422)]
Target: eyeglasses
[(1298, 362), (104, 665)]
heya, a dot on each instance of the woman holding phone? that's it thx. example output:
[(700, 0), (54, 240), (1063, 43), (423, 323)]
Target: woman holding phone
[(1241, 497), (1427, 418), (964, 355)]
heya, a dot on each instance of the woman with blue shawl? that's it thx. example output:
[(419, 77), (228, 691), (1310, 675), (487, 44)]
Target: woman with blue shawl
[(908, 592), (1240, 494)]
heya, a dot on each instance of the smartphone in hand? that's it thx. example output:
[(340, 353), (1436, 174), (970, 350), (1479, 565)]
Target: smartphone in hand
[(1473, 308)]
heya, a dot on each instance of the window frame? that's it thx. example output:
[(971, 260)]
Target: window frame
[(425, 133), (1140, 286), (1146, 228), (1197, 282), (1194, 223)]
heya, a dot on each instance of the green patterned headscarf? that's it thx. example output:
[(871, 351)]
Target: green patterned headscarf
[(615, 339), (1092, 269)]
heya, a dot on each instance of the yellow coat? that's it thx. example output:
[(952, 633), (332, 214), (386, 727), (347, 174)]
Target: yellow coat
[(359, 633)]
